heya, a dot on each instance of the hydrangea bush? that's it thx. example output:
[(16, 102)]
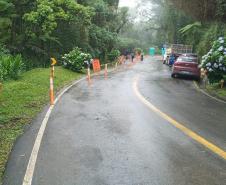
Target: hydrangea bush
[(74, 60), (214, 62)]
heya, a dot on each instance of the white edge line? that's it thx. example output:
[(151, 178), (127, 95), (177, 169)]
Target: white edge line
[(207, 94), (34, 154)]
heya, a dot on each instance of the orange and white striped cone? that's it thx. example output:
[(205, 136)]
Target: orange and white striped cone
[(51, 92), (88, 75), (53, 71), (116, 64)]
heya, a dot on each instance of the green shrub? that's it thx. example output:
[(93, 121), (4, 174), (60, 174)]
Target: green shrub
[(113, 55), (138, 51), (3, 50), (210, 33), (10, 67), (74, 60), (215, 61)]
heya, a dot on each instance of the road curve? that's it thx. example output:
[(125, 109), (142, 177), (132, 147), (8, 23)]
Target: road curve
[(103, 134)]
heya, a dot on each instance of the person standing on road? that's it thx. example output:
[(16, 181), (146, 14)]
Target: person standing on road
[(142, 57), (172, 59), (132, 56), (163, 51)]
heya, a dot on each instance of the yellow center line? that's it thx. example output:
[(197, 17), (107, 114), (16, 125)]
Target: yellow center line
[(217, 150)]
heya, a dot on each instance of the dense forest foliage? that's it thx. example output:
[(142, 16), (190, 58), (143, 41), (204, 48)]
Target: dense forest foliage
[(38, 29), (188, 22)]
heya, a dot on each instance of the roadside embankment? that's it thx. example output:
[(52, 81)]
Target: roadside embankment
[(22, 100)]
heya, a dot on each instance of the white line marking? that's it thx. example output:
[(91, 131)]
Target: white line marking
[(205, 93), (34, 154)]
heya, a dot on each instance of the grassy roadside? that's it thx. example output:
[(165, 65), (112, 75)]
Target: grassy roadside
[(22, 100), (215, 90)]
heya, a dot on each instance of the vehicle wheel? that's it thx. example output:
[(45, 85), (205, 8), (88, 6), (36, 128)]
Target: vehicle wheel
[(173, 75), (197, 79)]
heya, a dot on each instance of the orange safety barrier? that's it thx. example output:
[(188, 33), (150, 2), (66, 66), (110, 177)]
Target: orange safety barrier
[(96, 65), (121, 59), (138, 58)]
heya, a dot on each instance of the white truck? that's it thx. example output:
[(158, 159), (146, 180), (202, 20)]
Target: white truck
[(176, 50)]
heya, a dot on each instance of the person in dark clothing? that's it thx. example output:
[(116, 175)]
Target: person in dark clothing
[(142, 57), (132, 56), (172, 59), (126, 54)]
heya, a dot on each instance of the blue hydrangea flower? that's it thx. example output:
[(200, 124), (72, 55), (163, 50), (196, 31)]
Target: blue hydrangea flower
[(208, 64), (221, 41), (215, 65), (221, 59)]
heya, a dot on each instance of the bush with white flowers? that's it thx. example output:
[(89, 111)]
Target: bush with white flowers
[(74, 60), (215, 61)]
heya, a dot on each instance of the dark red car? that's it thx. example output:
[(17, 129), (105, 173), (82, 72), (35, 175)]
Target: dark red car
[(186, 66)]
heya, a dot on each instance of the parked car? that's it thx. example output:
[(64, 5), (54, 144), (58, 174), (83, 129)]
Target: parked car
[(186, 66)]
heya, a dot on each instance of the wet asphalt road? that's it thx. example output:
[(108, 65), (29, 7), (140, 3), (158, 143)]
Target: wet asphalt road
[(104, 135)]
